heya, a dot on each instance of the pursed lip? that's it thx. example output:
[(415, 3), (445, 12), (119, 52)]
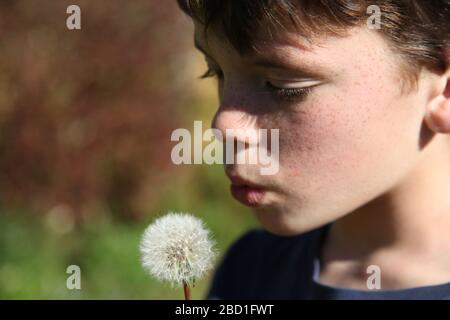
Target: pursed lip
[(239, 181), (245, 191)]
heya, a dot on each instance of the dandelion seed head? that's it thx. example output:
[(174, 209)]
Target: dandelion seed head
[(177, 248)]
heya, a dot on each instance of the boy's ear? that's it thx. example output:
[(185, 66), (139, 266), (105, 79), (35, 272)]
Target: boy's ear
[(438, 109)]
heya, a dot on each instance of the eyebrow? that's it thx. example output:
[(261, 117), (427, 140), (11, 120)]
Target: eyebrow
[(268, 63)]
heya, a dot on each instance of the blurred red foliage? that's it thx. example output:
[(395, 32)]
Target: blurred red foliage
[(86, 115)]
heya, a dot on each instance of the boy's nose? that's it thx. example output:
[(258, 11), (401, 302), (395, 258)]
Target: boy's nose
[(236, 123)]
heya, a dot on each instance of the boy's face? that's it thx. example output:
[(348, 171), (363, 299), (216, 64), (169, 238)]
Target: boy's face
[(351, 138)]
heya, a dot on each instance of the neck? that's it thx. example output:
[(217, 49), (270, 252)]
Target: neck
[(415, 214)]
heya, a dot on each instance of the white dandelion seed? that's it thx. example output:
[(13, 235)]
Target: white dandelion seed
[(177, 248)]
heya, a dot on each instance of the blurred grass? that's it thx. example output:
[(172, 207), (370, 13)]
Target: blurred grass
[(34, 258)]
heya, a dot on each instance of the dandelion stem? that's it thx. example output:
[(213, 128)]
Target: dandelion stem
[(187, 291)]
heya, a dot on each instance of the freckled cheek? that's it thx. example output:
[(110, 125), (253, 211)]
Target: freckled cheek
[(304, 152), (331, 141)]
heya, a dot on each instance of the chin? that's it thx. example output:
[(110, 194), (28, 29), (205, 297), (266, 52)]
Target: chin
[(282, 224)]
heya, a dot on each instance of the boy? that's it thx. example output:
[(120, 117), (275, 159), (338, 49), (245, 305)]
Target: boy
[(360, 206)]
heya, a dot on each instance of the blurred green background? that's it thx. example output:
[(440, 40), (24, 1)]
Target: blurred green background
[(85, 123)]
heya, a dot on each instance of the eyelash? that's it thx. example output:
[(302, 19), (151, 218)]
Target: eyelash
[(287, 94), (212, 73), (291, 94)]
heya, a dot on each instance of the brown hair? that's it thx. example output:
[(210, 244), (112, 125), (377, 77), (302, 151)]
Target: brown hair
[(419, 30)]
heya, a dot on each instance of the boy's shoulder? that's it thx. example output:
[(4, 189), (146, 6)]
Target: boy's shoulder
[(259, 262)]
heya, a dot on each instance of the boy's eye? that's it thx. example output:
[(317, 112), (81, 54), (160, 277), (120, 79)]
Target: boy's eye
[(211, 72), (282, 91), (290, 92)]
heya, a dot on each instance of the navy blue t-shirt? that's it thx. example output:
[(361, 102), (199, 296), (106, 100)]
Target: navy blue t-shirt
[(261, 265)]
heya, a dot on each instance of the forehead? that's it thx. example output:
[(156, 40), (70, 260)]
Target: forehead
[(328, 53), (278, 51), (262, 40)]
